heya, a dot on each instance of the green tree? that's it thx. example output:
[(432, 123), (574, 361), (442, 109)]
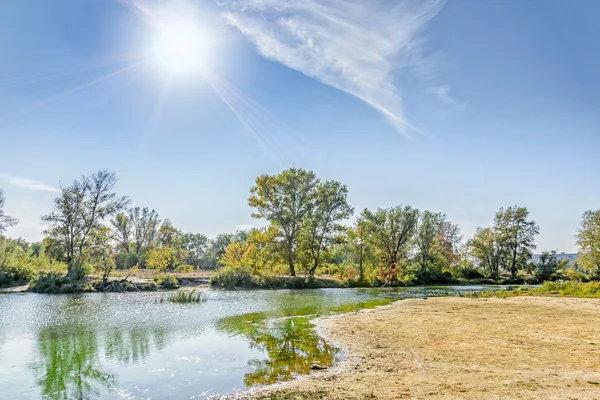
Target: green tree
[(391, 231), (168, 235), (122, 230), (486, 248), (516, 234), (78, 210), (547, 266), (435, 237), (285, 200), (196, 246), (588, 240), (145, 224), (358, 244), (99, 252), (6, 221), (323, 224)]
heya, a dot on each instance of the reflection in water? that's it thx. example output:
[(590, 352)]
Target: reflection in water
[(69, 365), (133, 346), (291, 346), (70, 362), (290, 343)]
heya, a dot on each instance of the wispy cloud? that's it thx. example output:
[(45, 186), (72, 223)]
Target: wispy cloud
[(354, 46), (28, 183), (443, 93)]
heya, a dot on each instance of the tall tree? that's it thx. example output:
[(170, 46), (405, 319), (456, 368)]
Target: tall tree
[(517, 236), (145, 224), (323, 223), (79, 209), (435, 234), (122, 230), (285, 200), (196, 245), (391, 231), (358, 245), (547, 266), (168, 235), (588, 240), (486, 248), (6, 221)]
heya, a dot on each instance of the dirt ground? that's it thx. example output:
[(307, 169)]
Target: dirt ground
[(461, 348)]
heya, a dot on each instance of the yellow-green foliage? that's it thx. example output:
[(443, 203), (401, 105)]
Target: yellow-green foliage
[(20, 263), (184, 268), (256, 254)]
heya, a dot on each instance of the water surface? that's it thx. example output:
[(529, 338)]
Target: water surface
[(132, 346)]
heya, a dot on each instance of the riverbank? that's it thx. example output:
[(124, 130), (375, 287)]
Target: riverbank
[(460, 348)]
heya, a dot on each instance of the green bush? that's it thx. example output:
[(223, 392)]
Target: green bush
[(54, 283), (469, 273), (184, 268), (429, 276), (576, 276), (233, 277), (17, 273), (166, 281)]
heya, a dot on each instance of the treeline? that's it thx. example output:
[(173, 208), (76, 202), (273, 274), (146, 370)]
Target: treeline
[(309, 230)]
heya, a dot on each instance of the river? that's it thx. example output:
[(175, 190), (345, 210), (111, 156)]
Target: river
[(133, 346)]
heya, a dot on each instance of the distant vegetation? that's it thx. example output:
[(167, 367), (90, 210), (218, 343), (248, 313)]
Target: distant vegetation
[(92, 231)]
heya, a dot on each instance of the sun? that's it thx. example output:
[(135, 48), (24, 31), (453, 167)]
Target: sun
[(180, 47)]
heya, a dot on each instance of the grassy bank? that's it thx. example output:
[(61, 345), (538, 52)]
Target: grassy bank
[(559, 289)]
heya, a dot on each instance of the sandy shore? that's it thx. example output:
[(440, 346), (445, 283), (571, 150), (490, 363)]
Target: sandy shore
[(459, 348)]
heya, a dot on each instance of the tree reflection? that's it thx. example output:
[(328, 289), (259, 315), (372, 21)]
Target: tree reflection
[(291, 345), (69, 365)]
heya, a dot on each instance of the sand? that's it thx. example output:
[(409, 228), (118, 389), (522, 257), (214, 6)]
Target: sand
[(460, 348)]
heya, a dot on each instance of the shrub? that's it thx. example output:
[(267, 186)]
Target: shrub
[(576, 276), (54, 283), (166, 281), (232, 277), (469, 273), (269, 282), (428, 276), (184, 268), (16, 273)]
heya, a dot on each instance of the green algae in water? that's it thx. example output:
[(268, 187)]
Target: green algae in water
[(288, 338)]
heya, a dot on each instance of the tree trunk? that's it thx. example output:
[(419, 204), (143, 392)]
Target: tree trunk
[(291, 258), (311, 272)]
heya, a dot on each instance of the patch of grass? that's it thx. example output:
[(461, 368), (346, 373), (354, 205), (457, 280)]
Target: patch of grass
[(184, 297), (566, 289)]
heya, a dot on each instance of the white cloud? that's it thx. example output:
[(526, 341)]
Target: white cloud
[(354, 46), (28, 183), (443, 93)]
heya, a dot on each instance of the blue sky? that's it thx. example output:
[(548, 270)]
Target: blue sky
[(460, 106)]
